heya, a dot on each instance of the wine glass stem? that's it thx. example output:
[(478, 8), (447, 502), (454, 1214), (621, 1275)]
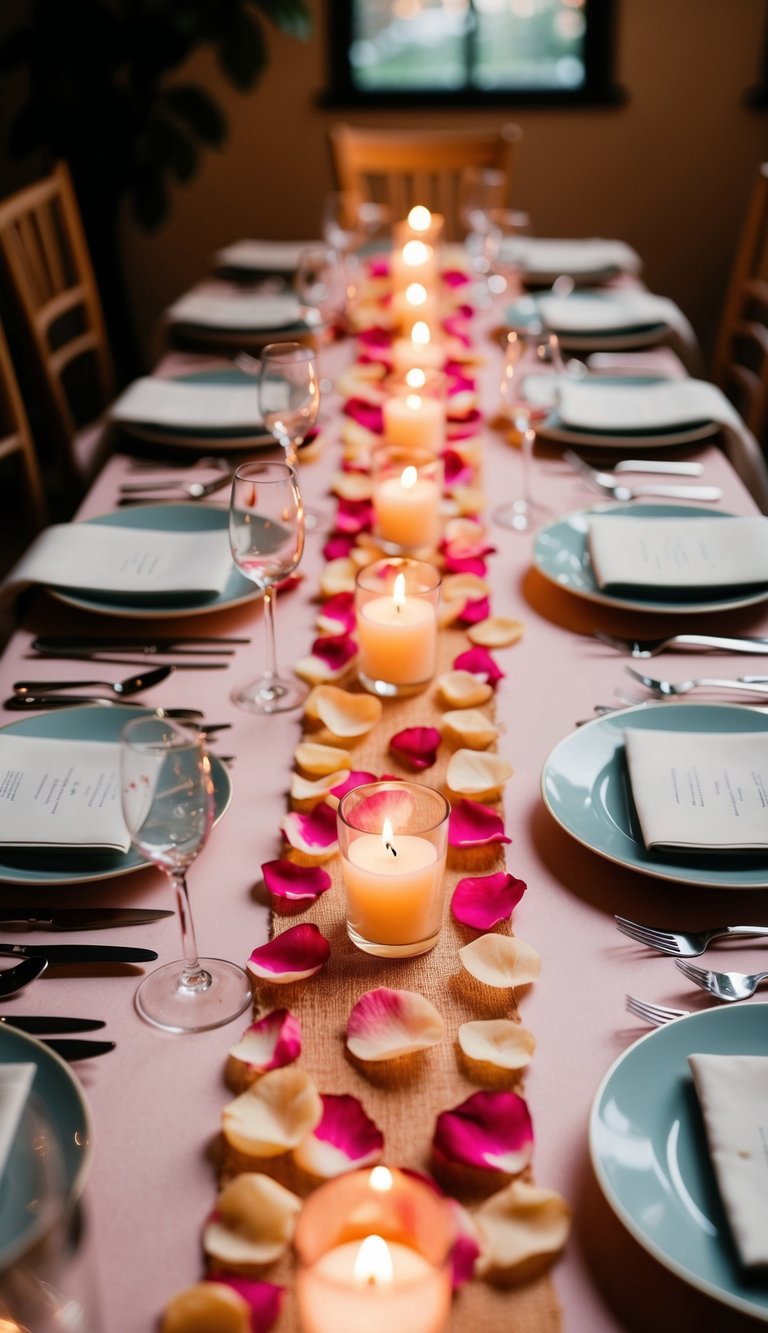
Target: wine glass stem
[(526, 446), (291, 453), (193, 976), (269, 622)]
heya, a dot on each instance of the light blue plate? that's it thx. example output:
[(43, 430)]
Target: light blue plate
[(585, 787), (208, 437), (61, 1101), (688, 432), (561, 555), (649, 1151), (89, 723), (525, 311), (194, 517)]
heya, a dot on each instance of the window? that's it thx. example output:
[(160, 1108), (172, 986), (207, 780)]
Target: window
[(448, 52)]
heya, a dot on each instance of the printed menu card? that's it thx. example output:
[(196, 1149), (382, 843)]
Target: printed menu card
[(60, 793), (675, 554)]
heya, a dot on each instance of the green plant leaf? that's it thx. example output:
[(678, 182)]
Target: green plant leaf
[(291, 16), (242, 51), (198, 110)]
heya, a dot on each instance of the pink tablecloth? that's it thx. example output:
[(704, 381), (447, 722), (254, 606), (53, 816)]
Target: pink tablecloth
[(157, 1099)]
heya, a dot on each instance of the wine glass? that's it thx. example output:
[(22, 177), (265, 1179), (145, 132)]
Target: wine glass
[(321, 285), (531, 378), (266, 535), (340, 222), (289, 400), (168, 806), (482, 191)]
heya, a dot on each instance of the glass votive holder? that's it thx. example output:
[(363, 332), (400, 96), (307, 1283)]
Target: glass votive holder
[(416, 261), (396, 603), (421, 350), (415, 302), (420, 225), (414, 410), (373, 1251), (406, 493), (393, 839)]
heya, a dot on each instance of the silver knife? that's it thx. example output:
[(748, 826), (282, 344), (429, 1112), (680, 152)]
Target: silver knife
[(76, 918), (120, 641), (77, 1048), (78, 953)]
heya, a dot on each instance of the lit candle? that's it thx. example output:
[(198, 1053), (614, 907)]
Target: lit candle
[(414, 411), (416, 262), (397, 638), (417, 351), (413, 304), (420, 225), (394, 887), (406, 510)]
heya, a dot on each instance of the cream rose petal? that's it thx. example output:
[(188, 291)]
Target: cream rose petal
[(206, 1306), (461, 689), (304, 792), (386, 1023), (316, 671), (351, 485), (474, 729), (496, 632), (344, 714), (319, 760), (497, 1041), (252, 1222), (522, 1228), (476, 773), (273, 1115), (337, 576), (500, 960)]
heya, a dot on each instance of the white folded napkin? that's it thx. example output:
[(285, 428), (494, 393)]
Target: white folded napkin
[(238, 310), (60, 794), (733, 1095), (188, 406), (669, 553), (606, 312), (639, 408), (15, 1085), (141, 562), (262, 256), (700, 791), (549, 255)]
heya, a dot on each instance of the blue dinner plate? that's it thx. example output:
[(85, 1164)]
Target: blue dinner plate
[(80, 866), (525, 311), (585, 786), (688, 432), (66, 1116), (208, 437), (649, 1152), (192, 517), (561, 555)]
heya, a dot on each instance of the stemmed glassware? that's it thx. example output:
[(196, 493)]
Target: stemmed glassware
[(289, 400), (168, 806), (266, 536), (533, 371), (321, 285)]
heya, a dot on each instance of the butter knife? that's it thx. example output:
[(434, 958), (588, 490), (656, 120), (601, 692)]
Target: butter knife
[(74, 1048), (78, 953), (37, 1023), (45, 642), (76, 918)]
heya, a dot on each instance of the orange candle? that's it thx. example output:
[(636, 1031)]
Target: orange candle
[(396, 606)]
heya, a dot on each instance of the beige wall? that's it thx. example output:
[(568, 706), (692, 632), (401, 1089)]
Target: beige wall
[(669, 171)]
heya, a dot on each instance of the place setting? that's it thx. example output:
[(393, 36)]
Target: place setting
[(603, 319)]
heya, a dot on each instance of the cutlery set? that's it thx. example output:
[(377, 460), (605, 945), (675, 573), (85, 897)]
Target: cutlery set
[(609, 485), (685, 944)]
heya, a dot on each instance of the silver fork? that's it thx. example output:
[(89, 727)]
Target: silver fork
[(655, 1014), (683, 943), (723, 985), (650, 647), (606, 482), (750, 684)]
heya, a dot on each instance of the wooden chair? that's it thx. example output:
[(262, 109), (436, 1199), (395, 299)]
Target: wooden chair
[(53, 288), (406, 167), (16, 438), (740, 363)]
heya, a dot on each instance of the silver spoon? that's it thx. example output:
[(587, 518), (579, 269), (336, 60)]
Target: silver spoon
[(122, 688), (13, 979)]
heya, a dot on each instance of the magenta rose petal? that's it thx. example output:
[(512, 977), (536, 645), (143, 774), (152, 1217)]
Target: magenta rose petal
[(384, 1024), (417, 746), (296, 954), (337, 614), (285, 879), (482, 901), (458, 472), (345, 1138), (355, 778), (474, 610), (365, 414), (338, 545), (354, 516), (270, 1042), (313, 833), (264, 1298), (480, 663), (335, 650), (490, 1131), (465, 564), (471, 824)]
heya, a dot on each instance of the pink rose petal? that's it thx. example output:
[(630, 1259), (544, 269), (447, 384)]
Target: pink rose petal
[(464, 564), (297, 953), (338, 545), (482, 901), (365, 414), (458, 472), (395, 805), (354, 516), (471, 824), (384, 1024), (455, 277), (338, 613), (344, 1139), (285, 879), (270, 1042), (462, 547), (474, 610), (481, 663), (463, 1259), (465, 427), (314, 833), (355, 778), (264, 1298), (336, 650), (417, 746), (490, 1131), (458, 381)]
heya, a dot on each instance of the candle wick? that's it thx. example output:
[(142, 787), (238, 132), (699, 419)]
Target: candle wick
[(390, 848)]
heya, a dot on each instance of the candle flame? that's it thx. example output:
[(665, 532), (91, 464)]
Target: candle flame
[(420, 218), (398, 592), (381, 1180), (408, 478), (415, 253), (415, 378), (373, 1263), (416, 293), (387, 836), (420, 333)]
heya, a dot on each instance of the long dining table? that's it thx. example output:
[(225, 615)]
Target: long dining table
[(156, 1100)]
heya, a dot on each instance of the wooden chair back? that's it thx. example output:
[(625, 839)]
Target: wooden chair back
[(740, 364), (16, 438), (52, 283), (405, 167)]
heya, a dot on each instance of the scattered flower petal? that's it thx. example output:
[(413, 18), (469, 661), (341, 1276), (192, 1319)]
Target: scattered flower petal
[(477, 773), (462, 689), (223, 1301), (337, 614), (337, 650), (490, 1131), (321, 759), (473, 825), (386, 1023), (497, 1041), (285, 879), (417, 746), (474, 611), (466, 1247), (338, 547), (252, 1223), (501, 960), (270, 1043), (394, 801), (457, 470), (522, 1228), (305, 793), (313, 833), (346, 1138), (295, 954), (474, 729), (482, 901), (466, 564), (366, 414), (344, 714), (348, 782), (274, 1114), (480, 662), (496, 632), (352, 488), (337, 576)]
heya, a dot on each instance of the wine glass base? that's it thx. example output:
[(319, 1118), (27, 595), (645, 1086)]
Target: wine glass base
[(270, 694), (520, 515), (164, 1001)]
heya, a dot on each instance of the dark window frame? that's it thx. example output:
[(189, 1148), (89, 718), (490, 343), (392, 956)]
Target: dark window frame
[(599, 88)]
